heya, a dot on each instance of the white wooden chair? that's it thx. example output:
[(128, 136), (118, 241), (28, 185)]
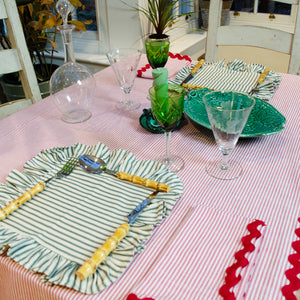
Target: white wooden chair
[(17, 59), (265, 43)]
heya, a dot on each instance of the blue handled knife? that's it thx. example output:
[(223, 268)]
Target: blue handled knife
[(138, 210), (99, 256)]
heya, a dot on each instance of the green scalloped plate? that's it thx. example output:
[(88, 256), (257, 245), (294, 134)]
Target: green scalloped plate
[(264, 118)]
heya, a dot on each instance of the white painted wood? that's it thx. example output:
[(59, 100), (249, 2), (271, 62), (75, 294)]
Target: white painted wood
[(214, 20), (192, 45), (3, 14), (18, 44), (288, 1), (281, 22), (10, 61), (294, 67), (272, 39), (275, 61), (254, 36), (121, 24), (9, 108)]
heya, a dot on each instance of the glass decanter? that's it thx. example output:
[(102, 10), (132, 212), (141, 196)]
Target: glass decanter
[(72, 84)]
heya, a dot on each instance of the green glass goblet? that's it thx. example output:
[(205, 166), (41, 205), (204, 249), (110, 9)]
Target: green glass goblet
[(167, 108), (228, 113), (157, 50)]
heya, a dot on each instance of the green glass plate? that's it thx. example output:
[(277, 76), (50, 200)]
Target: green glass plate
[(264, 119)]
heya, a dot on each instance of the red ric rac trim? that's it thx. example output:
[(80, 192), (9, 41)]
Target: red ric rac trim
[(291, 274), (143, 69), (180, 57), (134, 297), (171, 55), (231, 279)]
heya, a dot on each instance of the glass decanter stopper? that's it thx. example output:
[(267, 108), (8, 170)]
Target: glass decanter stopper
[(72, 84)]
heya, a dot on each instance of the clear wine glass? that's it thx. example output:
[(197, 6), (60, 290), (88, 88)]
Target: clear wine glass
[(228, 113), (167, 108), (124, 62)]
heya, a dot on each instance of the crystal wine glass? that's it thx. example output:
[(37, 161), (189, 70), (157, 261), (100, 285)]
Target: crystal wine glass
[(228, 113), (124, 62), (157, 51), (167, 108)]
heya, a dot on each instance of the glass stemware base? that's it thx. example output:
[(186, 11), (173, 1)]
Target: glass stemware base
[(76, 116), (128, 105), (216, 170), (174, 162)]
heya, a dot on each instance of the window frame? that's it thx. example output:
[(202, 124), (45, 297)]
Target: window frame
[(282, 22), (180, 27), (96, 43)]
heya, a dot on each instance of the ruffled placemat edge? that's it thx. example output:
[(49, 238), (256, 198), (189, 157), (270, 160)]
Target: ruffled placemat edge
[(32, 255)]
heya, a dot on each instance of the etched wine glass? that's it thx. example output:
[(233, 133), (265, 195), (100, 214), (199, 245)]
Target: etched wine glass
[(167, 109), (228, 113), (157, 51), (124, 62)]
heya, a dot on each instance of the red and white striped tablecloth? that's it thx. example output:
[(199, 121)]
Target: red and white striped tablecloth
[(268, 191)]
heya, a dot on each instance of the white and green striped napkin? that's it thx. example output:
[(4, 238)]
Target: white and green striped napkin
[(233, 76), (61, 227)]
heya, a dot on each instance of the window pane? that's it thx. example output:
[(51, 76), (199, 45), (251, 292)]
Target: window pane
[(88, 14), (264, 6), (186, 6), (274, 7), (242, 5)]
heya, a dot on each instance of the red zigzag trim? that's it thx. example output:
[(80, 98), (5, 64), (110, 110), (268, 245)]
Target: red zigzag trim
[(231, 279), (178, 56), (135, 297), (291, 274), (143, 69)]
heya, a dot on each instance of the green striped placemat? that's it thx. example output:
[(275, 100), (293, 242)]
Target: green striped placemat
[(61, 227), (232, 76)]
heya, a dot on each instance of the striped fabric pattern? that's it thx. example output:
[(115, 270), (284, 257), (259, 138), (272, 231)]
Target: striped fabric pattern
[(192, 255), (268, 190), (61, 227), (234, 76)]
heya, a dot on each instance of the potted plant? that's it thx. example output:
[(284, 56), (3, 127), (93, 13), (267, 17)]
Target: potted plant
[(161, 14), (40, 20), (204, 8)]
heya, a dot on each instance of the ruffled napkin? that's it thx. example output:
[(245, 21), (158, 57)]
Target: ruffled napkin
[(174, 64), (212, 255), (61, 227), (235, 76)]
